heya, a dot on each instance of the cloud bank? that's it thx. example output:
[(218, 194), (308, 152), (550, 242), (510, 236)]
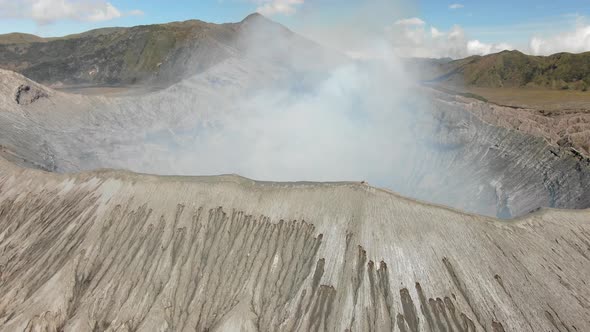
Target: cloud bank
[(414, 21), (411, 37), (50, 11), (273, 7), (576, 41)]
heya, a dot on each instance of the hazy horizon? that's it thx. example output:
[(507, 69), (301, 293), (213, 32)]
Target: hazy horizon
[(430, 29)]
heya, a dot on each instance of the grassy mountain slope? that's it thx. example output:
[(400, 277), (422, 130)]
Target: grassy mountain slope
[(515, 69), (20, 38), (161, 53), (113, 56)]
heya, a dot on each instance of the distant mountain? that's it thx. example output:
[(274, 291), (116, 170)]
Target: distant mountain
[(112, 56), (515, 69), (20, 38), (160, 53)]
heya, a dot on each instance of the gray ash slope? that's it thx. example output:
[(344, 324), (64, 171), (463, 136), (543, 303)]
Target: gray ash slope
[(525, 171), (116, 251)]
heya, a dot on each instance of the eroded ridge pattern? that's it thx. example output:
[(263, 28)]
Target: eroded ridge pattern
[(112, 251)]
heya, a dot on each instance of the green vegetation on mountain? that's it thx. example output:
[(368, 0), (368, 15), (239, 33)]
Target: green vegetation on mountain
[(20, 38), (159, 54), (118, 55), (515, 69)]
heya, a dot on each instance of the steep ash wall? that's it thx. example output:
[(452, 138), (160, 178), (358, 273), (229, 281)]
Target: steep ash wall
[(457, 156), (113, 251)]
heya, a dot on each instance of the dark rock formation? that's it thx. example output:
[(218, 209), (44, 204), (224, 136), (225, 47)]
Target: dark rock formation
[(25, 95)]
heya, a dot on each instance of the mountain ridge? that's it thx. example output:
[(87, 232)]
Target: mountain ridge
[(515, 69), (11, 37), (156, 53)]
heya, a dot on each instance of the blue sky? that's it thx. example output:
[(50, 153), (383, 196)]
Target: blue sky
[(501, 23), (504, 20)]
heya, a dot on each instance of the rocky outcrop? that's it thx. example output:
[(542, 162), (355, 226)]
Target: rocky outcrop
[(512, 154), (569, 129), (113, 251), (25, 95)]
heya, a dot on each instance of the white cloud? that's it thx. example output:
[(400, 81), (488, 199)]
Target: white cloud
[(273, 7), (136, 12), (456, 6), (436, 33), (103, 13), (576, 41), (410, 38), (456, 34), (49, 11), (475, 47), (414, 21)]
